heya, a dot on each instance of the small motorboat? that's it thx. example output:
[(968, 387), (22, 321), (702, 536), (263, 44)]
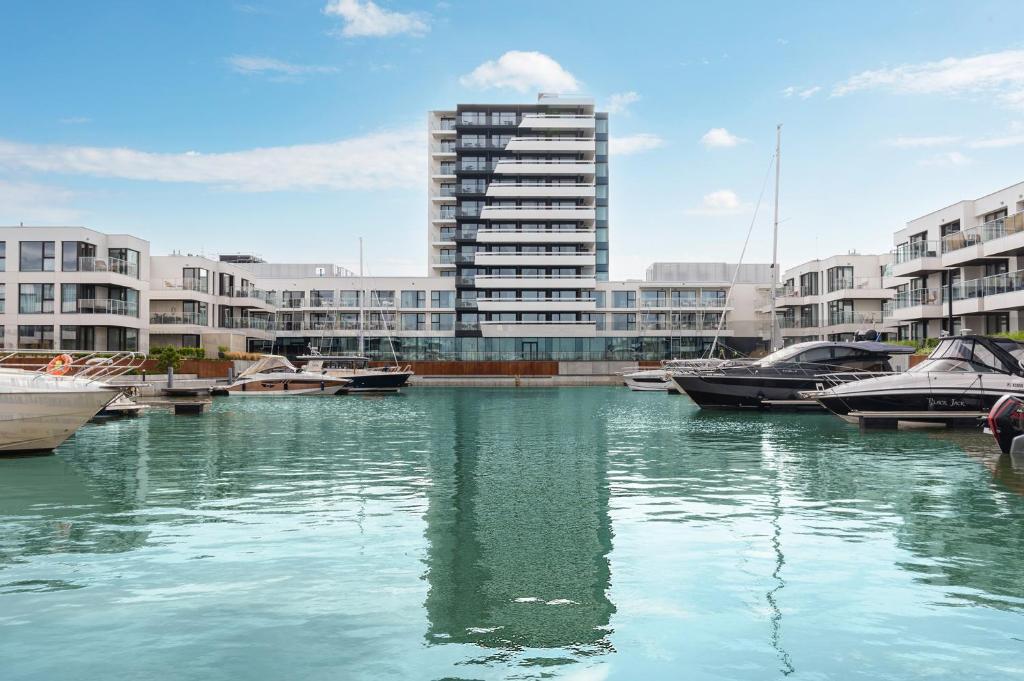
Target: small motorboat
[(274, 375), (660, 379), (958, 384), (1006, 424), (357, 371)]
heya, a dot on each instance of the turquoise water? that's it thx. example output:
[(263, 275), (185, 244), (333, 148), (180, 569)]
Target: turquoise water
[(585, 534)]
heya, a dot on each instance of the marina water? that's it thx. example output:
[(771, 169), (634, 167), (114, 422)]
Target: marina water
[(577, 533)]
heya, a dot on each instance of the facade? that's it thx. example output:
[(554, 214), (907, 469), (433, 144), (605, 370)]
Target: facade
[(834, 298), (518, 215), (971, 249), (73, 288)]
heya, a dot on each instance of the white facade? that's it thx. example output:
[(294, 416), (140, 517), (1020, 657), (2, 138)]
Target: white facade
[(73, 288), (834, 298), (975, 247)]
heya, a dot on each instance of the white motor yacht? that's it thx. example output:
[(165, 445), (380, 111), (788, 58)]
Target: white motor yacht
[(643, 380), (274, 375), (41, 408)]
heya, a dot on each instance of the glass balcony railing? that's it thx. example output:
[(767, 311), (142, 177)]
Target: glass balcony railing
[(989, 231), (914, 250), (190, 318), (115, 265), (108, 306), (921, 296)]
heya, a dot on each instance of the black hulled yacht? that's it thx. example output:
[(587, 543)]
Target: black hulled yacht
[(781, 376)]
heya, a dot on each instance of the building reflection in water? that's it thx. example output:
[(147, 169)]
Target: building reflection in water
[(518, 530)]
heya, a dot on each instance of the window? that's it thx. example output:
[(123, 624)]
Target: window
[(414, 322), (840, 278), (321, 298), (602, 148), (348, 298), (714, 298), (624, 299), (598, 297), (77, 338), (809, 284), (37, 256), (601, 126), (442, 298), (35, 337), (382, 298), (35, 299), (623, 322), (442, 321), (69, 298), (77, 255), (3, 256), (414, 298), (194, 279), (122, 339)]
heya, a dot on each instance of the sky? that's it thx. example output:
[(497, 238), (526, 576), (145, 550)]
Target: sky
[(291, 128)]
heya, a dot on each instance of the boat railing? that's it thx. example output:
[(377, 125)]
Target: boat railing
[(92, 366), (803, 369), (841, 377)]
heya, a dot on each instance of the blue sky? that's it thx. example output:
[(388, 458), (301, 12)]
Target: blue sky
[(290, 128)]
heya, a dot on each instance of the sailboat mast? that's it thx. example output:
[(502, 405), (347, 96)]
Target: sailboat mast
[(362, 293), (775, 238)]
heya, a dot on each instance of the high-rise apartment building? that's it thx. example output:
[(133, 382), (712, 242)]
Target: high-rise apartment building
[(518, 214)]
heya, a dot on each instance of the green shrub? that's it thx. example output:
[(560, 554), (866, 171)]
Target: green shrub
[(221, 349), (167, 357)]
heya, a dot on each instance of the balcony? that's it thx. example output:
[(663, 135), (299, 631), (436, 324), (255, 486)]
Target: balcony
[(1001, 237), (542, 329), (555, 144), (538, 190), (857, 288), (107, 306), (115, 265), (190, 284), (538, 259), (536, 304), (716, 302), (531, 213), (557, 122), (916, 258), (490, 281), (184, 319), (923, 303), (247, 323), (558, 167), (536, 236)]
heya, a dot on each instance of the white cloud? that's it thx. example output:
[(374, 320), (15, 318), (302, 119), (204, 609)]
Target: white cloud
[(946, 160), (251, 66), (369, 19), (998, 142), (998, 73), (634, 144), (620, 101), (721, 202), (523, 72), (35, 204), (918, 142), (801, 92), (718, 138), (373, 161)]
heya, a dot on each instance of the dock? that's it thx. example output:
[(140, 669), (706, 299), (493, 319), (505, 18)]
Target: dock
[(891, 420)]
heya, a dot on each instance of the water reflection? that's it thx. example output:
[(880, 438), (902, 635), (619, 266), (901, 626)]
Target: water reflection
[(519, 531)]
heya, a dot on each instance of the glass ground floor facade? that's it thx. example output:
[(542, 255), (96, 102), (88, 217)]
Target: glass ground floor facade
[(610, 348)]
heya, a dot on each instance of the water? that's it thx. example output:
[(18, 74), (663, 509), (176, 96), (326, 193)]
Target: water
[(581, 534)]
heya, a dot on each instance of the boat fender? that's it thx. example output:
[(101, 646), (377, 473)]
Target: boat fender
[(59, 365)]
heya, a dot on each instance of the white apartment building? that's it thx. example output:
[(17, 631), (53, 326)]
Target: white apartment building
[(972, 248), (518, 214), (833, 298), (73, 288)]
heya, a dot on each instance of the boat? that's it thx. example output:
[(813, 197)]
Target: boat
[(273, 375), (357, 370), (125, 404), (42, 406), (959, 382), (777, 380), (1006, 424), (644, 380)]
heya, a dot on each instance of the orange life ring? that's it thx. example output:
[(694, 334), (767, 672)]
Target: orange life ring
[(59, 365)]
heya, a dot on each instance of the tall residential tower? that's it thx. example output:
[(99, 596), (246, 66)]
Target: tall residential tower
[(518, 214)]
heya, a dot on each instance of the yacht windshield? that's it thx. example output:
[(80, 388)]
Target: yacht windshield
[(1012, 347), (783, 355), (961, 354)]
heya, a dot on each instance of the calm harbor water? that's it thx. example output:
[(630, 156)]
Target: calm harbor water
[(587, 534)]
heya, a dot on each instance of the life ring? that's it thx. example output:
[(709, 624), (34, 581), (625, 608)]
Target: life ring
[(59, 365)]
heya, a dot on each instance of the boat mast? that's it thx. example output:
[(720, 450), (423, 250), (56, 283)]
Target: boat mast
[(361, 294), (775, 238)]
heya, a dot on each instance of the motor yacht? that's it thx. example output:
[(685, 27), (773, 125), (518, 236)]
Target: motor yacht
[(644, 380), (778, 379), (357, 370), (274, 375), (962, 379), (42, 406)]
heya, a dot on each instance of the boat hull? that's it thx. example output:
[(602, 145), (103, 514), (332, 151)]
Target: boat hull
[(648, 381), (719, 390), (258, 388), (377, 382), (41, 421)]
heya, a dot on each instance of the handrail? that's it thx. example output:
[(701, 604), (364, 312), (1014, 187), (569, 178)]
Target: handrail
[(988, 231), (91, 366)]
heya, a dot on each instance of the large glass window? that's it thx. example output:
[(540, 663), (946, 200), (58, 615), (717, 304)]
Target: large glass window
[(78, 338), (37, 256), (414, 299), (321, 298), (840, 278), (125, 261), (195, 279), (35, 337), (35, 298), (442, 298), (78, 255), (442, 321), (382, 298), (69, 298), (348, 298), (626, 299), (3, 256), (414, 322)]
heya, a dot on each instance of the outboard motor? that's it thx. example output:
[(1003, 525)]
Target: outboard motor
[(1006, 423)]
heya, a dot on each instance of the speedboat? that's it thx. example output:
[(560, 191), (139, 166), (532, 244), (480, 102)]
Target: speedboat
[(357, 370), (660, 379), (778, 379), (960, 381), (274, 375), (1006, 424), (41, 408)]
